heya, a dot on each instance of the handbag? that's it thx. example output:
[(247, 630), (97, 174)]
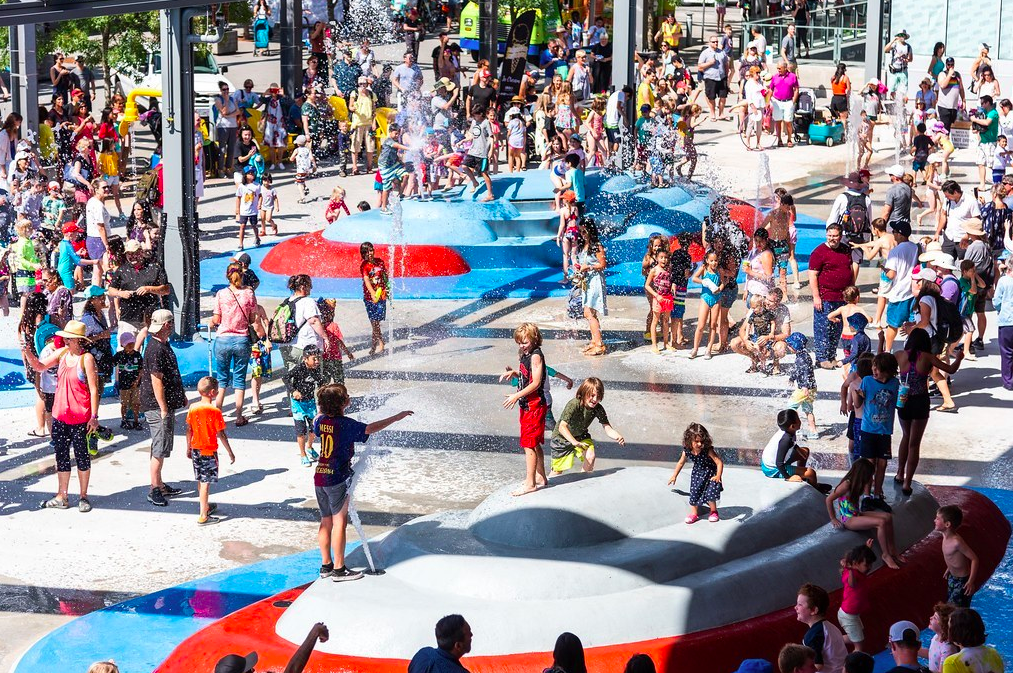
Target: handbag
[(251, 330)]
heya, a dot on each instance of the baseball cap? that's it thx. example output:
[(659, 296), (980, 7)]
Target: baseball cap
[(311, 350), (159, 319), (132, 246), (923, 273), (127, 338), (905, 632), (234, 663), (755, 666), (902, 227), (243, 258), (71, 227), (94, 291), (896, 171)]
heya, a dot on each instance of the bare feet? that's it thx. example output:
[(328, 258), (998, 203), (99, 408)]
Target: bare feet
[(890, 561), (525, 490)]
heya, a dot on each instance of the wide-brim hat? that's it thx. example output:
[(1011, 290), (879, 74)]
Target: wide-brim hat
[(973, 227), (445, 83), (931, 250), (942, 260), (74, 329)]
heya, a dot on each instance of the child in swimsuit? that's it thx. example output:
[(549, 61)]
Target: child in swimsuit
[(710, 294)]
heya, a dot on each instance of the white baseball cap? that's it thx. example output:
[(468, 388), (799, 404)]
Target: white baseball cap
[(896, 171)]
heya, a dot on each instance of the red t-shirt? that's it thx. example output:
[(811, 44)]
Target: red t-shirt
[(205, 421), (833, 270), (856, 598), (377, 273)]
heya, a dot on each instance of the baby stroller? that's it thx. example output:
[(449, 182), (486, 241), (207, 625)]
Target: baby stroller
[(805, 114)]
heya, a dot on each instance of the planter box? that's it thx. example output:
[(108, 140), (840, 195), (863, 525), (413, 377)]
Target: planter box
[(228, 45)]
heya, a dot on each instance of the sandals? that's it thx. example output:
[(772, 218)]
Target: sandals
[(35, 433), (259, 409), (713, 518), (56, 503), (596, 351), (946, 409), (241, 421)]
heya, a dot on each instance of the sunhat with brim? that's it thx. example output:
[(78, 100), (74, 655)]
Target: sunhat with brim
[(74, 329), (903, 34), (942, 260), (931, 250), (973, 228)]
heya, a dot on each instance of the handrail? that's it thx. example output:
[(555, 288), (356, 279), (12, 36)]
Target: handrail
[(130, 114)]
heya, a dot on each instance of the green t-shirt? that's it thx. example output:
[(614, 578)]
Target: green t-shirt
[(990, 133), (578, 419)]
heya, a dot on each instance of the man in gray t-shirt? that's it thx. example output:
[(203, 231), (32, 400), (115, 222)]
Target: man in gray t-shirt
[(898, 197), (713, 65), (788, 49), (406, 79)]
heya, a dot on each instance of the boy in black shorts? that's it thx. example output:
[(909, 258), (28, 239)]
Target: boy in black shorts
[(306, 377), (333, 476), (476, 161)]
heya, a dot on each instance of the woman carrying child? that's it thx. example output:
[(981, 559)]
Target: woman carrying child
[(843, 506), (705, 479), (571, 438)]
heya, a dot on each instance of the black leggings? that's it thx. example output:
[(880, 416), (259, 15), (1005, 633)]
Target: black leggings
[(947, 116), (66, 436)]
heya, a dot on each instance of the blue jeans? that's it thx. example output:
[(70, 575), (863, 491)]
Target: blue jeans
[(826, 334), (232, 359)]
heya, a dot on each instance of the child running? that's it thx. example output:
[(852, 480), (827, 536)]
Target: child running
[(305, 163), (336, 205), (961, 561), (205, 427), (333, 475), (530, 398), (374, 293), (845, 512), (658, 287), (306, 377), (705, 479), (855, 577), (572, 437), (711, 288)]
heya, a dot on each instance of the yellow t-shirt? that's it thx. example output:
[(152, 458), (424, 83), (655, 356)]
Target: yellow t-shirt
[(645, 96), (362, 110), (974, 660), (109, 164)]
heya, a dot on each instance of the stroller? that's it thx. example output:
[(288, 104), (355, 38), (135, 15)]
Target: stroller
[(805, 114)]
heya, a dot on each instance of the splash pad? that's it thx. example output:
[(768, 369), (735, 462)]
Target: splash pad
[(457, 247)]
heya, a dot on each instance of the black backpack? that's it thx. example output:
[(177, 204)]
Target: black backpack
[(855, 219), (949, 325)]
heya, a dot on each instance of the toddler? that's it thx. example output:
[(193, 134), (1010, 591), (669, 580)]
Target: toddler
[(705, 479), (129, 364), (305, 163), (305, 378), (269, 205), (804, 377), (336, 205)]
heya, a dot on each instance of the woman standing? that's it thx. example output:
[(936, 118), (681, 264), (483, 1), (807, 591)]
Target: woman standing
[(98, 332), (840, 85), (938, 62), (988, 85), (32, 316), (759, 268), (245, 152), (927, 295), (261, 28), (916, 362), (75, 410), (235, 316), (978, 67), (591, 270), (8, 141), (82, 171), (1003, 303)]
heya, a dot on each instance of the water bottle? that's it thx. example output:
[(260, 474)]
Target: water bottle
[(902, 393)]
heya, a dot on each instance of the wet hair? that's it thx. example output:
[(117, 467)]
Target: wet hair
[(363, 248), (640, 663), (300, 281), (863, 365), (851, 294), (944, 610), (918, 341), (332, 398), (966, 628), (886, 363), (952, 515), (591, 384), (859, 478), (787, 200), (573, 159), (449, 631), (879, 224), (793, 656), (363, 206), (528, 331), (326, 308), (697, 431), (568, 654), (762, 235), (786, 418), (104, 667), (207, 385), (860, 554)]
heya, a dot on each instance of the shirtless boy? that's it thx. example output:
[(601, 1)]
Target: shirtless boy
[(777, 223), (961, 561)]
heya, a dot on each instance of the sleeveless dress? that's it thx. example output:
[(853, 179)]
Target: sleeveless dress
[(594, 292), (701, 489)]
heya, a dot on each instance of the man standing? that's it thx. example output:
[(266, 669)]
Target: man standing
[(784, 94), (951, 94), (900, 54), (453, 641), (645, 92), (987, 127), (362, 104), (438, 52), (905, 641), (958, 210), (615, 115), (831, 269), (161, 395), (442, 106), (86, 78), (758, 41), (481, 95), (713, 64), (900, 263), (138, 285), (789, 49), (406, 79), (346, 74), (898, 197), (601, 68)]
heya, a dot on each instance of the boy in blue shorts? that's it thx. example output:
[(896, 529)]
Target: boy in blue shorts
[(306, 377), (333, 476), (879, 403)]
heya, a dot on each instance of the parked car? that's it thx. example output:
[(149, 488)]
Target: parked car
[(207, 75)]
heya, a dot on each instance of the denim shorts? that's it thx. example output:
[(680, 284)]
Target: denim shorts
[(232, 359)]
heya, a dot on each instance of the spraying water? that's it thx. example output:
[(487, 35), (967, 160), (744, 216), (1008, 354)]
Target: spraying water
[(763, 181), (353, 513), (898, 121), (854, 121), (396, 238)]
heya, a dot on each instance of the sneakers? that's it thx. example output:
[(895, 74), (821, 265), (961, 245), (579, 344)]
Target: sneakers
[(170, 492), (978, 344), (305, 461), (210, 520), (83, 505), (312, 453), (105, 434), (386, 211), (156, 498), (344, 574), (713, 518), (326, 570)]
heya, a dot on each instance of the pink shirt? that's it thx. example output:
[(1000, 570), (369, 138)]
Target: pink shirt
[(784, 86), (856, 598), (237, 309), (72, 404)]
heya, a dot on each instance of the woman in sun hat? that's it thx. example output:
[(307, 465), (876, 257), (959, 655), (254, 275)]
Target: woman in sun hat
[(75, 409), (272, 124)]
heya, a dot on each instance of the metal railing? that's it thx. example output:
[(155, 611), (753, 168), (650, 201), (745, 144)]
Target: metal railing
[(831, 30)]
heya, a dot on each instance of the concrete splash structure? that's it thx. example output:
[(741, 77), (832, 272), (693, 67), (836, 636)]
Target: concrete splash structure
[(457, 247), (607, 556)]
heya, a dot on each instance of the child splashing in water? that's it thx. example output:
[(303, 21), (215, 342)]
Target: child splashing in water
[(658, 287), (571, 438), (710, 296), (336, 205), (705, 479)]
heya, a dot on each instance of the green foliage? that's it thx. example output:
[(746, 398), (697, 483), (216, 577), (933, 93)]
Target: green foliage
[(108, 41)]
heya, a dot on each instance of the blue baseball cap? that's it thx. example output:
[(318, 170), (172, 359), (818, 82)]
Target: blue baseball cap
[(94, 291)]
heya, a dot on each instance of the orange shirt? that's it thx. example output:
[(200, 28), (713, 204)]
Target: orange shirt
[(840, 87), (205, 421)]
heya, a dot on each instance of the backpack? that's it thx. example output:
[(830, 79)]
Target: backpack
[(855, 219), (147, 188), (949, 325), (282, 328)]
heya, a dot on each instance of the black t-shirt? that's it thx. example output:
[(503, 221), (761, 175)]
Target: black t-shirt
[(482, 96), (603, 50), (242, 151), (137, 309), (923, 147), (681, 264), (159, 359)]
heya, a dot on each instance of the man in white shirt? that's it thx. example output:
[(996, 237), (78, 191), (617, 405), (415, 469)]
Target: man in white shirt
[(615, 114), (898, 267), (97, 228), (958, 209)]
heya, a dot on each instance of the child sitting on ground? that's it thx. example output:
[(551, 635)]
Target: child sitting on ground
[(205, 427), (705, 479), (333, 475), (961, 561), (843, 506), (822, 638), (804, 377), (777, 458), (336, 205), (855, 576), (305, 378), (572, 437), (334, 369)]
